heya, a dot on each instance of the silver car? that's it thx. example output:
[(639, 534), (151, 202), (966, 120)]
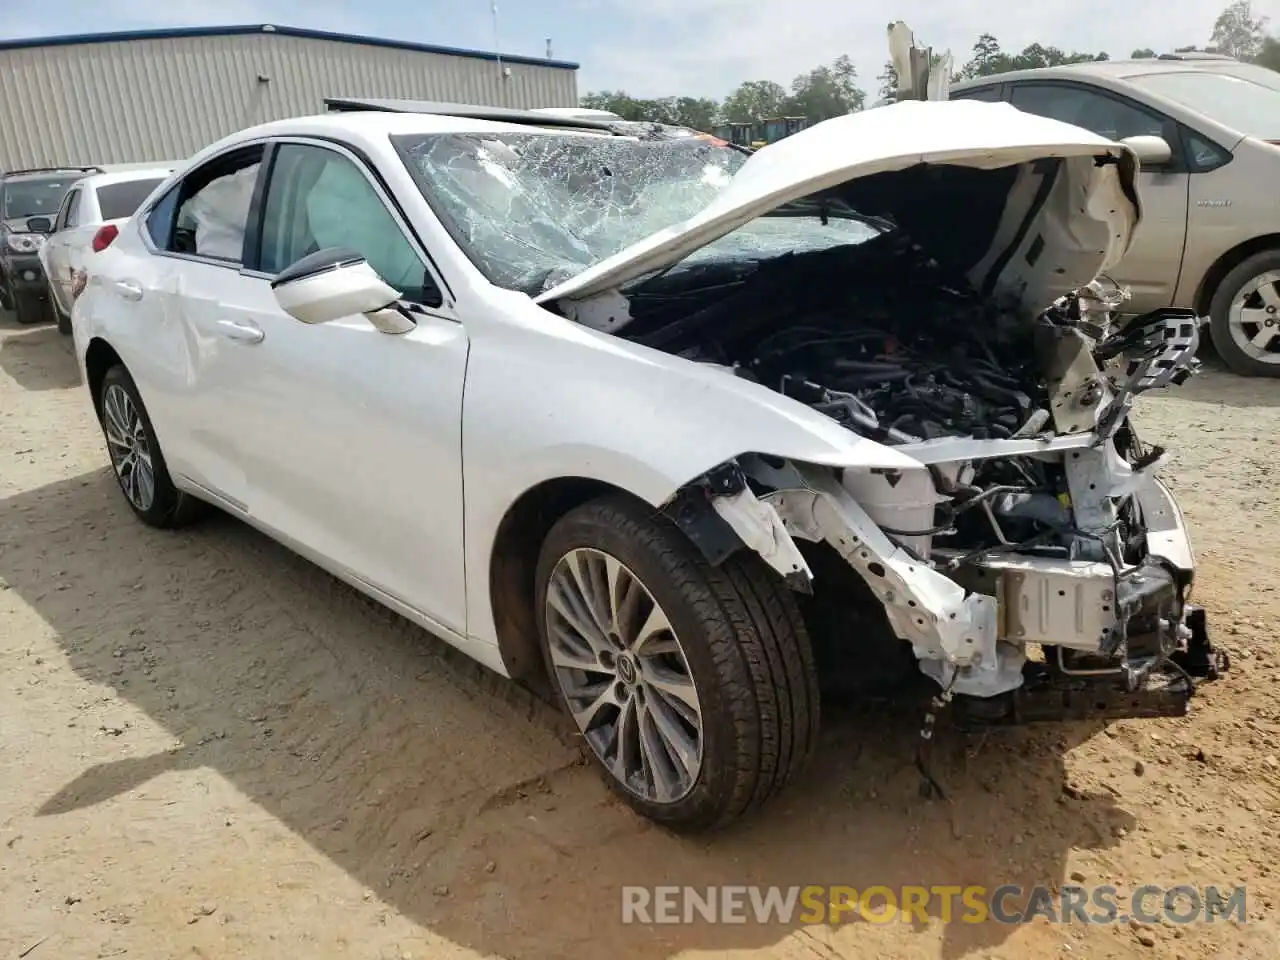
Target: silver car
[(1210, 233)]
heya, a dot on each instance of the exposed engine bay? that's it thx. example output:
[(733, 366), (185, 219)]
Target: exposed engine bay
[(1034, 523)]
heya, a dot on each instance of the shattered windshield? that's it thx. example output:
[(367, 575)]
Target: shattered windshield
[(532, 210)]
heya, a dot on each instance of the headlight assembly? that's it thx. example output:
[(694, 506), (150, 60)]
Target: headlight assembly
[(25, 242)]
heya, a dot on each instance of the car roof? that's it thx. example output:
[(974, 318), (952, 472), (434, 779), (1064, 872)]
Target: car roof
[(374, 125), (48, 173), (1118, 70), (99, 180), (379, 123)]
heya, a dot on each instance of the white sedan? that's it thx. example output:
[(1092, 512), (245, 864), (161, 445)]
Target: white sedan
[(672, 431), (88, 219)]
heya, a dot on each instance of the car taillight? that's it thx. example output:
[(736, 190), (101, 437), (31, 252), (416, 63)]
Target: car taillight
[(102, 239)]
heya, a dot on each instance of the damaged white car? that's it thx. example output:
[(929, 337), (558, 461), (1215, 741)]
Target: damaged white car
[(682, 433)]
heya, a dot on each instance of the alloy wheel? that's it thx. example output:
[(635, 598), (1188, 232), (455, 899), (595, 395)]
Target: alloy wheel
[(1254, 318), (624, 675), (129, 446)]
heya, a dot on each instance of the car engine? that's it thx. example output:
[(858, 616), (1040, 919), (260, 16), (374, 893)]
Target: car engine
[(909, 354)]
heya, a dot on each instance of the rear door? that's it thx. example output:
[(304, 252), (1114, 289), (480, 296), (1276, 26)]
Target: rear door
[(55, 256), (194, 298), (1152, 266)]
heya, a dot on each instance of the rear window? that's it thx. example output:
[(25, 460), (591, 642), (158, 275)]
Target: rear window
[(120, 200)]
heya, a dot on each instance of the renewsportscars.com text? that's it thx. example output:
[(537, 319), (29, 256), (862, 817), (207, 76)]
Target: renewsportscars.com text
[(1010, 904)]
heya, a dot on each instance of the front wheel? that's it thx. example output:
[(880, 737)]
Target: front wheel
[(136, 457), (1245, 316), (28, 308), (694, 686)]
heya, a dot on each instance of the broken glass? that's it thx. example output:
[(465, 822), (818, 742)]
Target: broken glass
[(532, 210)]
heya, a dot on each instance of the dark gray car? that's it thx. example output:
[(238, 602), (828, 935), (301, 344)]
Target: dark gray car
[(29, 200)]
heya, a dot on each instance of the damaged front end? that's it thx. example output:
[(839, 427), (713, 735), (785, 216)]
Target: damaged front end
[(931, 277), (1034, 563)]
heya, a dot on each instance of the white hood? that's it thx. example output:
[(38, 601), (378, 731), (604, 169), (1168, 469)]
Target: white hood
[(965, 133)]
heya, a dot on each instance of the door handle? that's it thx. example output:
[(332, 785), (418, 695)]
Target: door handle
[(241, 330), (128, 289)]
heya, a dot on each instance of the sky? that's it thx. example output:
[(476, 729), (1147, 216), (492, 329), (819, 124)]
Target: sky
[(653, 48)]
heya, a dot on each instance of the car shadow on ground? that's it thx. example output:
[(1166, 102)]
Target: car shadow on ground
[(459, 800), (27, 357), (1216, 384)]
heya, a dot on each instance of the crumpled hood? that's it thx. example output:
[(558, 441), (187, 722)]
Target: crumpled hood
[(1097, 224)]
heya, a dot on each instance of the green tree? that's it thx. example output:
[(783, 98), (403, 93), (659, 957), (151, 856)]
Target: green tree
[(1238, 32), (888, 82), (1146, 53), (825, 92), (988, 59), (754, 101), (696, 112), (1269, 55), (619, 102)]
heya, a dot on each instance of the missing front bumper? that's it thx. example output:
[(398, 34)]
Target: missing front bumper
[(1050, 693)]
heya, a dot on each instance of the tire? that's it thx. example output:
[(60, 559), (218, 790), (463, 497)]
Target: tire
[(28, 309), (6, 298), (167, 507), (740, 640), (1226, 337), (62, 321)]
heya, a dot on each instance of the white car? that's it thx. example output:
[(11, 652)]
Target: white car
[(681, 431), (88, 219)]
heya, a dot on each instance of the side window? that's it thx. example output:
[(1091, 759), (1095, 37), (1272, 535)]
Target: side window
[(60, 221), (73, 209), (1104, 115), (160, 220), (206, 213), (1204, 154), (317, 198), (992, 94)]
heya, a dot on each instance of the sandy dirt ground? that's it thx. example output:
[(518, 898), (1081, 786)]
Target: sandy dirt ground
[(209, 748)]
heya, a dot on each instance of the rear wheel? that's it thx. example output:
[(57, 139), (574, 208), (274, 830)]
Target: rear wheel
[(693, 686), (60, 319), (136, 457), (1245, 316)]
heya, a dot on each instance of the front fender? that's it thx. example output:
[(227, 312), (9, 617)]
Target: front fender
[(546, 398), (558, 399)]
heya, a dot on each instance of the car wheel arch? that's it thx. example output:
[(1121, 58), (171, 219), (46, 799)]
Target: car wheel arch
[(513, 561), (99, 357), (1227, 262)]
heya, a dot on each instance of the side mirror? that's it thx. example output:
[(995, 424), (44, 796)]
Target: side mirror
[(39, 225), (1151, 151), (334, 283)]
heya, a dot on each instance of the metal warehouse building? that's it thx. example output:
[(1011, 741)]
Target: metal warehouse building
[(163, 94)]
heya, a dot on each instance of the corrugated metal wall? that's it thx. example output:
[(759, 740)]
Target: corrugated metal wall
[(142, 100)]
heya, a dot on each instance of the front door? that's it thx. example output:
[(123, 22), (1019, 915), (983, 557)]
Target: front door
[(352, 438), (1151, 267)]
